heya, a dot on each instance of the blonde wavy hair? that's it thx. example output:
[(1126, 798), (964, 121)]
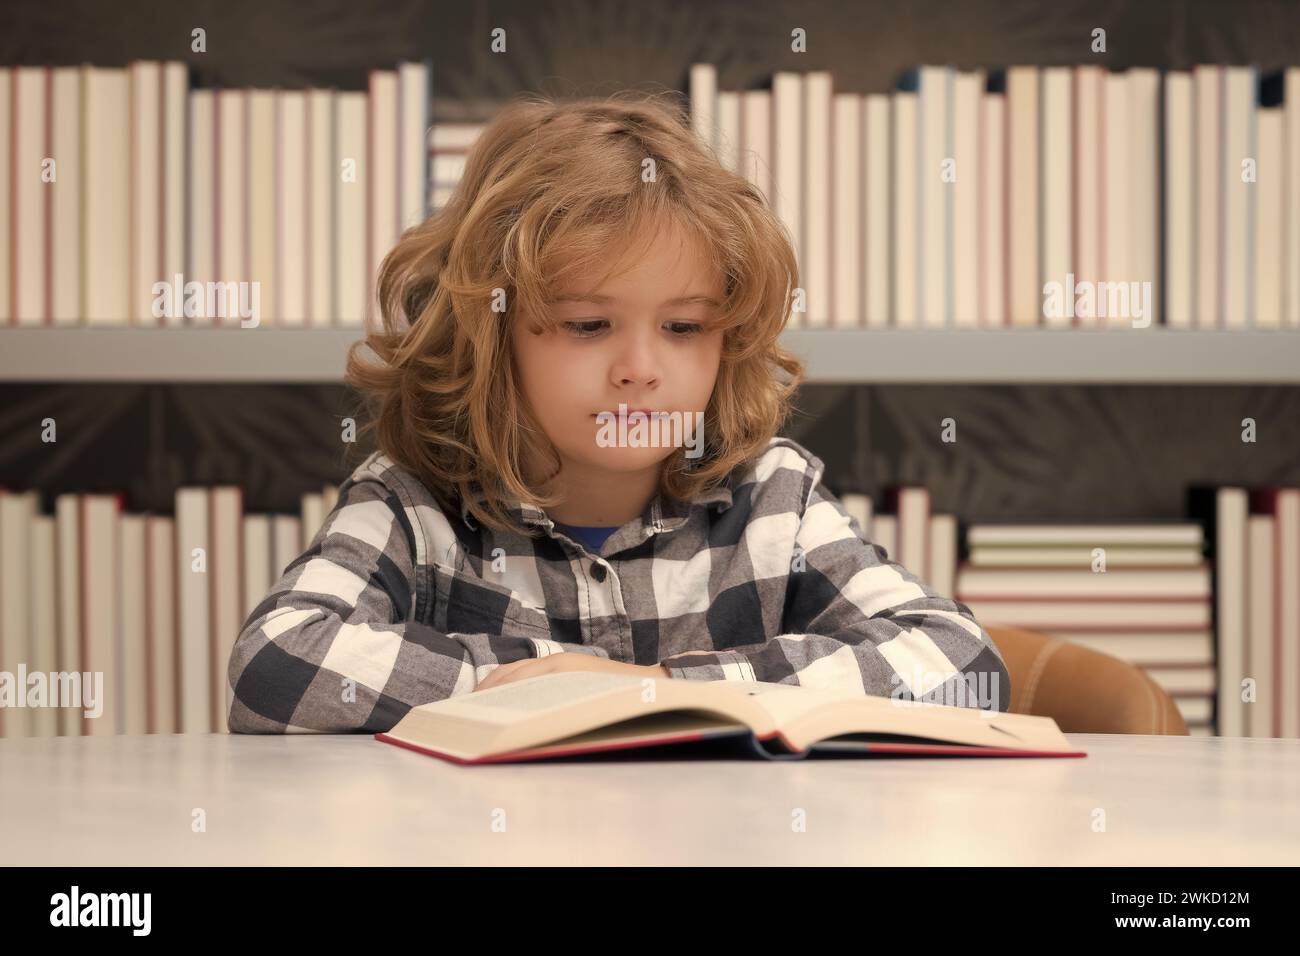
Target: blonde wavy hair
[(549, 189)]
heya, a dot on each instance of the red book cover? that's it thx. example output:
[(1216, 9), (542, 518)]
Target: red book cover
[(743, 743)]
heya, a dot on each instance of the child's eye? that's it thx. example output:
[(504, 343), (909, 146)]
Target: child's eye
[(585, 330), (686, 329)]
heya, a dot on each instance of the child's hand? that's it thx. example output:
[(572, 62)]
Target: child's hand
[(554, 663)]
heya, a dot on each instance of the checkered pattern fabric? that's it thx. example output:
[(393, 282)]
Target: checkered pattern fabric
[(397, 603)]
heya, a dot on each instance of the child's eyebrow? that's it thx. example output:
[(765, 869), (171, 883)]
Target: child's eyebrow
[(600, 299)]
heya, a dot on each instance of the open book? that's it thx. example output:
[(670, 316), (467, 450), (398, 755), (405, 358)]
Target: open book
[(585, 712)]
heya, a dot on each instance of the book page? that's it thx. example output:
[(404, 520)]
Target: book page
[(807, 715), (553, 707), (786, 702)]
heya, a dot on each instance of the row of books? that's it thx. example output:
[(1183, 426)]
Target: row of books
[(1042, 578), (1141, 593), (152, 602), (128, 198), (1256, 536), (1020, 197), (1145, 593), (1030, 196), (169, 593)]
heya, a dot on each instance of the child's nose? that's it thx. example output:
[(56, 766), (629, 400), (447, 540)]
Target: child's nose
[(638, 362), (636, 373)]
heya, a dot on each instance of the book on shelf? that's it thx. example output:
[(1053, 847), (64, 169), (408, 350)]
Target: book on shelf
[(961, 197), (162, 198), (1210, 608), (1256, 552), (1024, 196), (449, 147), (1138, 591), (148, 604), (580, 713), (1149, 582), (1239, 578)]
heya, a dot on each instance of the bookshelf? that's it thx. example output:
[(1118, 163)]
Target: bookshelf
[(833, 356), (1044, 435)]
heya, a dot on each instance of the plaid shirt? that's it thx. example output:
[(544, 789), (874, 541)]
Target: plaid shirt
[(397, 603)]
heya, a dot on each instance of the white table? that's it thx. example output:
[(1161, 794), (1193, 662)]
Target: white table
[(314, 800)]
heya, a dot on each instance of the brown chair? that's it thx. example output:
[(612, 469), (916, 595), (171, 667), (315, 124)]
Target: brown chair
[(1083, 690)]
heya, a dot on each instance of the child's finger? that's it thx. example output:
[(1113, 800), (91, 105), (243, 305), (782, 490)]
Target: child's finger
[(500, 673)]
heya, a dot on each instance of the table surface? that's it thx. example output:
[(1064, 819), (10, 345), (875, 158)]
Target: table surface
[(349, 799)]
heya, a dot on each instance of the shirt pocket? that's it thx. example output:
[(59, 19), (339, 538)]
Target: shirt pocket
[(465, 604)]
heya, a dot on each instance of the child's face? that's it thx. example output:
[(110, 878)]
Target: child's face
[(634, 347)]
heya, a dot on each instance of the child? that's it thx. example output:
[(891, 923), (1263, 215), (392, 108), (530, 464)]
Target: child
[(521, 518)]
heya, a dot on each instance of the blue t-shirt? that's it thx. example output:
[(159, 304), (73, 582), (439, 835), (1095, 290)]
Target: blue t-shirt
[(592, 538)]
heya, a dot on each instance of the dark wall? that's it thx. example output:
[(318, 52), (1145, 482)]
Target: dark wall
[(595, 46), (1021, 451)]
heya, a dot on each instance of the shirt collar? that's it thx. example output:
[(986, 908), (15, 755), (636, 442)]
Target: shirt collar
[(662, 514)]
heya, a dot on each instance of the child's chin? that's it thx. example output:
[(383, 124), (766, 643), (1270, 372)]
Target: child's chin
[(629, 458)]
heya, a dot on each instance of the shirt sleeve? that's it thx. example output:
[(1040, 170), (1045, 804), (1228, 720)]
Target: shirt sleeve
[(335, 648), (855, 620)]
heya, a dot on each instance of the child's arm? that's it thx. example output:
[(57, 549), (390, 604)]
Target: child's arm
[(860, 622), (334, 647)]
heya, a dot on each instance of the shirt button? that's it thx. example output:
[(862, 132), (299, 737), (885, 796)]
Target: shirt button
[(598, 571)]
